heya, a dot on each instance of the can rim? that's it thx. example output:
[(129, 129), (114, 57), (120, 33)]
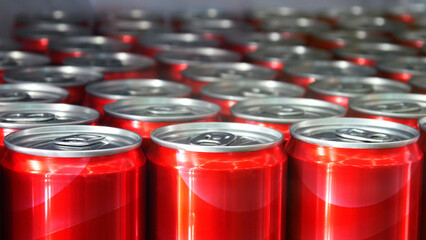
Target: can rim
[(229, 55), (34, 59), (313, 53), (155, 40), (27, 31), (415, 82), (352, 51), (57, 44), (390, 65), (61, 92)]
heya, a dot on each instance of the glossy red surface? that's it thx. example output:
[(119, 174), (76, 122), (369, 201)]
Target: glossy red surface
[(149, 73), (58, 57), (361, 61), (34, 45), (48, 198), (1, 76), (276, 66), (342, 101), (283, 128), (76, 95), (402, 77), (326, 44), (422, 143), (409, 122), (130, 39), (225, 106), (301, 81), (411, 43), (96, 103), (241, 49), (211, 196), (353, 194), (171, 71), (148, 51)]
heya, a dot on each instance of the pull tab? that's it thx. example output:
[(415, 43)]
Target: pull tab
[(352, 88), (361, 135), (232, 74), (213, 139), (145, 91), (401, 107), (106, 62), (13, 96), (169, 110), (58, 77), (78, 140), (27, 117), (283, 111), (6, 61), (256, 92)]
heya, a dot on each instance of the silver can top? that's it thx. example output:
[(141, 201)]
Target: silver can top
[(203, 14), (61, 76), (418, 81), (56, 16), (31, 92), (409, 65), (218, 137), (72, 141), (258, 39), (352, 36), (275, 12), (375, 51), (414, 9), (320, 69), (288, 53), (111, 62), (394, 105), (215, 72), (352, 11), (369, 23), (125, 89), (357, 86), (88, 44), (241, 90), (295, 24), (197, 55), (354, 133), (286, 110), (29, 115), (9, 45), (139, 15), (51, 30), (216, 26), (17, 59), (161, 109), (167, 41), (132, 28), (412, 35)]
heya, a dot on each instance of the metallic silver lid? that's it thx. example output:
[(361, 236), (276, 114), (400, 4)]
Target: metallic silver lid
[(418, 81), (241, 90), (410, 65), (17, 59), (72, 141), (320, 69), (422, 124), (56, 16), (111, 62), (352, 36), (61, 76), (9, 45), (161, 109), (197, 55), (202, 14), (88, 44), (215, 26), (376, 51), (51, 30), (218, 137), (262, 39), (288, 53), (395, 105), (125, 89), (29, 115), (133, 28), (167, 41), (414, 9), (412, 35), (355, 133), (31, 92), (275, 12), (357, 86), (370, 23), (295, 24), (352, 11), (139, 15), (286, 110), (215, 72)]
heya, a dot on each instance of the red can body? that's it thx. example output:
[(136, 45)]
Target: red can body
[(422, 143), (398, 76), (142, 74), (225, 105), (340, 100), (34, 45), (58, 57), (171, 71)]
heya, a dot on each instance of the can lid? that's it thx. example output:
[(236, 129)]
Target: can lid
[(356, 86), (215, 72), (16, 59), (215, 26), (294, 24), (352, 36), (88, 44), (371, 23), (288, 53), (161, 109), (320, 69), (247, 89), (56, 16), (218, 137), (410, 65), (133, 28), (275, 12), (167, 41), (111, 62), (422, 124), (411, 9), (197, 55), (395, 105), (29, 115), (9, 45), (139, 15), (125, 89), (72, 141), (258, 39), (418, 81), (355, 133), (61, 76), (376, 51), (352, 11), (412, 35), (31, 92), (286, 110), (202, 14), (51, 30)]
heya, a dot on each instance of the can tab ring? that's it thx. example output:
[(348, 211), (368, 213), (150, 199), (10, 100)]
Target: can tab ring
[(213, 139), (78, 140), (13, 96), (400, 107), (256, 92), (361, 135), (27, 117), (283, 111), (169, 110), (6, 61), (351, 88)]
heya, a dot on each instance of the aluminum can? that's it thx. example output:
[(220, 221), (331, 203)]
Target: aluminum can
[(116, 65), (73, 182), (337, 172), (370, 53), (412, 38), (7, 44), (418, 84), (405, 108), (36, 38), (340, 38), (10, 60), (422, 142), (339, 90), (56, 16), (334, 15), (228, 93), (402, 69), (281, 113), (172, 62), (180, 18), (144, 115), (257, 16), (152, 44), (61, 49), (382, 25), (73, 79), (199, 75), (407, 13), (136, 15), (240, 197), (102, 93), (304, 73), (32, 92)]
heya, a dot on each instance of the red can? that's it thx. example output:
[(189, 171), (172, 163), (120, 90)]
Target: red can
[(102, 93), (150, 45), (199, 75), (407, 13), (335, 15), (352, 179), (414, 38), (10, 60), (73, 79), (256, 17), (281, 113), (172, 62), (180, 18), (57, 16), (9, 45), (36, 38), (60, 49), (339, 90), (377, 24), (405, 108), (370, 53), (418, 84), (144, 115), (216, 181), (402, 69), (32, 92), (73, 182), (422, 143), (116, 65), (304, 73), (228, 93)]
